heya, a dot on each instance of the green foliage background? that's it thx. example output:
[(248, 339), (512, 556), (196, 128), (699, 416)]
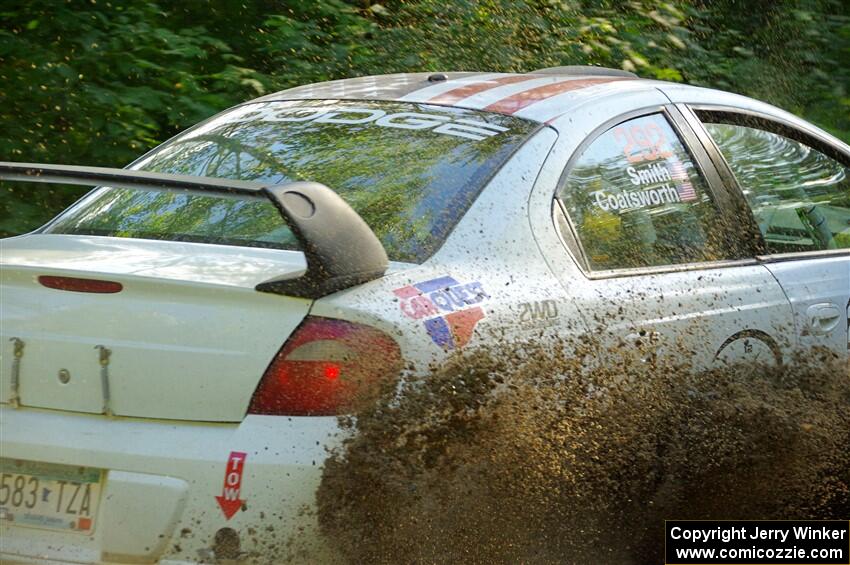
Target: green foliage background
[(98, 83)]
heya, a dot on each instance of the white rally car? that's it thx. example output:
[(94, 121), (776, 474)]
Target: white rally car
[(177, 344)]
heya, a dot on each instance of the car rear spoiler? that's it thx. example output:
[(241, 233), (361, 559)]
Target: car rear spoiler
[(340, 248)]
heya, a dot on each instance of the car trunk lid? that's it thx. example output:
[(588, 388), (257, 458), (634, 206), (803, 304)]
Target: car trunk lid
[(186, 337)]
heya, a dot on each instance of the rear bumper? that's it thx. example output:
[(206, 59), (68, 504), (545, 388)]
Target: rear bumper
[(158, 502)]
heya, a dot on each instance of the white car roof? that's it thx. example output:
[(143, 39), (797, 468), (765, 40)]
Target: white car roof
[(539, 96), (542, 96)]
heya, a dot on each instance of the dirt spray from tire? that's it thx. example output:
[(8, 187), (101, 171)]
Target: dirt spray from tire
[(527, 456)]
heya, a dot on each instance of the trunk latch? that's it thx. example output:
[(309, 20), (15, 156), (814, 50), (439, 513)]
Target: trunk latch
[(18, 353), (104, 377)]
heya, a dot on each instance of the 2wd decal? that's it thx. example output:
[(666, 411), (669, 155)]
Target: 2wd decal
[(229, 499), (448, 308), (539, 311)]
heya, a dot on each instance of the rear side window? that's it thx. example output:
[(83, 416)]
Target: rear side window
[(799, 196), (410, 170), (636, 199)]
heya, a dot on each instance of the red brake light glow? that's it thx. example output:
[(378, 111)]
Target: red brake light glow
[(331, 371), (75, 284), (327, 367)]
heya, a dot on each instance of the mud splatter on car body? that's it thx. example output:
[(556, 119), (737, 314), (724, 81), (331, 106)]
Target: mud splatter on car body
[(527, 456)]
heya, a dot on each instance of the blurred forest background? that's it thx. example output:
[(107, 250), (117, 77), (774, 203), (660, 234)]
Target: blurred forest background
[(99, 83)]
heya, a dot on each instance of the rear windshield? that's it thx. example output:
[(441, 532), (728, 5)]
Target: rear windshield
[(410, 170)]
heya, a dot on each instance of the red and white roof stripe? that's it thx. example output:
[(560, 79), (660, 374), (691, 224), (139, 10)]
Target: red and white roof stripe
[(539, 97), (451, 91)]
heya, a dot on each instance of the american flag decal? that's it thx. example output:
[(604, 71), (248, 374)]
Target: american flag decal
[(683, 183)]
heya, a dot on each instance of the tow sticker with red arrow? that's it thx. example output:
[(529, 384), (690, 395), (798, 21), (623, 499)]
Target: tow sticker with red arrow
[(229, 499)]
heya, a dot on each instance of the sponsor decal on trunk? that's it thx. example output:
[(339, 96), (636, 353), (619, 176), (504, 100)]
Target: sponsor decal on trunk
[(448, 308)]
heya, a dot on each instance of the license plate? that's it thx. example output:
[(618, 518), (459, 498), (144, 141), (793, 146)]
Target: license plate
[(44, 495)]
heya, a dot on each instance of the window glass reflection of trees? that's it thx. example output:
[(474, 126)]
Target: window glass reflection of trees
[(410, 186), (799, 196), (674, 230)]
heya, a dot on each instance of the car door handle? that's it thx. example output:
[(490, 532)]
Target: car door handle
[(823, 318)]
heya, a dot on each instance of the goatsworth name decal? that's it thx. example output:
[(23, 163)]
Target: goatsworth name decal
[(449, 309), (655, 184)]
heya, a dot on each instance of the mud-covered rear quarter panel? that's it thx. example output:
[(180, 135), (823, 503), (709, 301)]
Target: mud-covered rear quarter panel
[(488, 284)]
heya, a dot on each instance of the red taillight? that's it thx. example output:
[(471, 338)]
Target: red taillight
[(327, 367), (80, 285)]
